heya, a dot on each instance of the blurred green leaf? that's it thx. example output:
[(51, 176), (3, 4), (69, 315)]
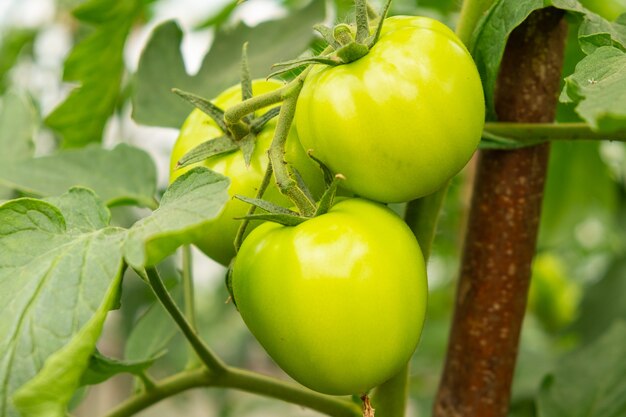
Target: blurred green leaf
[(191, 201), (13, 43), (589, 382), (60, 269), (123, 175), (221, 17), (602, 305), (97, 63), (161, 67), (102, 367)]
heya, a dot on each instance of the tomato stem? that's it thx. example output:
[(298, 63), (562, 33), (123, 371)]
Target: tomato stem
[(285, 180), (244, 223), (206, 355), (238, 379), (362, 21), (532, 132)]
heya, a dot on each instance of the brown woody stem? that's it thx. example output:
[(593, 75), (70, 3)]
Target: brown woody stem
[(502, 232)]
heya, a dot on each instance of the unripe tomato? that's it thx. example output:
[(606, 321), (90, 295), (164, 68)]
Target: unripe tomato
[(609, 9), (337, 301), (400, 121), (216, 238)]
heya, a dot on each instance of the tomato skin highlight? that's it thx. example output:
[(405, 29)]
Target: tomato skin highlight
[(216, 238), (337, 301), (402, 120)]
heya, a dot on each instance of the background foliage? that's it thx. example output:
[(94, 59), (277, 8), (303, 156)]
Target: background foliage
[(122, 57)]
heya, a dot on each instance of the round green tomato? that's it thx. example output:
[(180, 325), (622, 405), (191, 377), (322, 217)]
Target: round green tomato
[(402, 120), (337, 301), (216, 238), (609, 9)]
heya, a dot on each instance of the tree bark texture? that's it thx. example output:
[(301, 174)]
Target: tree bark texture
[(502, 231)]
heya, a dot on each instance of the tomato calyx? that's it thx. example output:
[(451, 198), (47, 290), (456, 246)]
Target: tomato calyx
[(239, 134), (348, 43)]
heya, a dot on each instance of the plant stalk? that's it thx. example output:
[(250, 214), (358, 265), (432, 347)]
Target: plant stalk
[(530, 132), (205, 353), (238, 379), (502, 231)]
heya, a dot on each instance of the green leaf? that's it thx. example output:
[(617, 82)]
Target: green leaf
[(59, 276), (600, 307), (589, 382), (13, 43), (123, 175), (194, 199), (154, 329), (161, 66), (247, 144), (491, 35), (221, 17), (97, 63), (102, 368), (599, 87), (18, 120)]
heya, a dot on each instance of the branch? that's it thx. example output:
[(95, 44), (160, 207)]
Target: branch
[(205, 353), (530, 132), (502, 233), (237, 379)]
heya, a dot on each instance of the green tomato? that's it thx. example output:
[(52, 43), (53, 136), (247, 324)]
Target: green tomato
[(609, 9), (402, 120), (216, 238), (337, 301)]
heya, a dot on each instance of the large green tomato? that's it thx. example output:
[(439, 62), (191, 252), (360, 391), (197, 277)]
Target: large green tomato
[(400, 121), (216, 238), (337, 301), (609, 9)]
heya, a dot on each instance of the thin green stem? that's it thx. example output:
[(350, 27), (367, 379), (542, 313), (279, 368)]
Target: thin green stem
[(533, 132), (189, 301), (286, 183), (166, 388), (267, 177), (237, 379), (235, 113), (205, 353), (259, 384), (362, 20), (471, 13), (188, 291), (422, 215)]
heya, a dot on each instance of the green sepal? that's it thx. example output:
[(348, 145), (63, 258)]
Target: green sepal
[(212, 147), (228, 280), (371, 41), (328, 174), (352, 52), (266, 205), (328, 198), (210, 109), (257, 124), (299, 62), (327, 34), (246, 79), (284, 219), (295, 174), (247, 144)]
